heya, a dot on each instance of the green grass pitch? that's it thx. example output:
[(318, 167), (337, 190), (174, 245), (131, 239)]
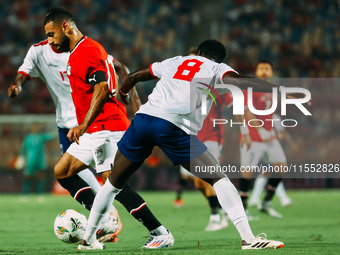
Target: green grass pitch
[(310, 226)]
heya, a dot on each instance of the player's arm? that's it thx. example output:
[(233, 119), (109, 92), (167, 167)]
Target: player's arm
[(131, 80), (259, 85), (16, 87), (123, 73), (243, 82), (121, 69), (100, 95)]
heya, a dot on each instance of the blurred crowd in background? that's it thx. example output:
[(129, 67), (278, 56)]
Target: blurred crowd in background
[(300, 38)]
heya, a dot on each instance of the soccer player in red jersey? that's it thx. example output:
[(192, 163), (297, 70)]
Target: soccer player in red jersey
[(264, 144), (102, 119)]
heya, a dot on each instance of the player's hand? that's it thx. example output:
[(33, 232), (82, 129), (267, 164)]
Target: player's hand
[(245, 140), (124, 97), (74, 134), (14, 90)]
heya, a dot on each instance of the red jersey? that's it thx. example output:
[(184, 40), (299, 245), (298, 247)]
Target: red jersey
[(208, 131), (88, 57), (261, 101)]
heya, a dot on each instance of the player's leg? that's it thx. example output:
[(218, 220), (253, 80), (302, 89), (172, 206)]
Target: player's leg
[(106, 195), (216, 222), (86, 174), (66, 171), (277, 160), (123, 168), (133, 146), (26, 183), (249, 159), (41, 184), (259, 186), (215, 148), (182, 182), (232, 204), (226, 193), (282, 195), (89, 179)]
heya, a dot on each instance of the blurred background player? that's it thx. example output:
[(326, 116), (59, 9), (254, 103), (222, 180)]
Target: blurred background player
[(264, 145), (48, 63), (34, 153), (261, 180)]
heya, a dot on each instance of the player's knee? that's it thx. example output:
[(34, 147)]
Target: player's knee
[(61, 170), (105, 175)]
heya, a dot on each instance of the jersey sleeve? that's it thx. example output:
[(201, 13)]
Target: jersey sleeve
[(29, 66), (224, 69), (157, 69), (99, 68)]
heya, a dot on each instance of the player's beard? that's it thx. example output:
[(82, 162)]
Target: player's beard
[(64, 46)]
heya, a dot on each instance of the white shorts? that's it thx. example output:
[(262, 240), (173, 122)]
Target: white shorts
[(270, 152), (214, 148), (97, 150)]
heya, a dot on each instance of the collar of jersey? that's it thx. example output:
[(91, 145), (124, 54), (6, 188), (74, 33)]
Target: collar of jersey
[(78, 43)]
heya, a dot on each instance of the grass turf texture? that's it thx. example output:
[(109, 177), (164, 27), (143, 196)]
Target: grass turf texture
[(310, 226)]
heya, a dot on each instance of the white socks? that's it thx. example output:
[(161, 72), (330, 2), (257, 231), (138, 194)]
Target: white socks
[(215, 217), (161, 230), (281, 192), (231, 202), (259, 185), (90, 179), (102, 202)]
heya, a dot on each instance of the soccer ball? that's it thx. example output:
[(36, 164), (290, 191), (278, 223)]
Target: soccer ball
[(69, 226)]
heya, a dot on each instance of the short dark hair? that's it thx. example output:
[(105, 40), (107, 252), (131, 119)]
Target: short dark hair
[(265, 61), (213, 49), (57, 16)]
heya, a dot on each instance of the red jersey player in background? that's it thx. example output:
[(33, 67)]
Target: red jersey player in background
[(102, 119), (264, 145), (261, 180)]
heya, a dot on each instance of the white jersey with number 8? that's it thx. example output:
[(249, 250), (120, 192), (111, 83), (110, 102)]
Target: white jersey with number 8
[(183, 83)]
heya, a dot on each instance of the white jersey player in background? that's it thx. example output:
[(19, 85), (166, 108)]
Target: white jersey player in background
[(44, 62), (170, 120)]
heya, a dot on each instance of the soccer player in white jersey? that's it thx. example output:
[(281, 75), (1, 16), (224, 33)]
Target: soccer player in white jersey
[(168, 121), (47, 62)]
